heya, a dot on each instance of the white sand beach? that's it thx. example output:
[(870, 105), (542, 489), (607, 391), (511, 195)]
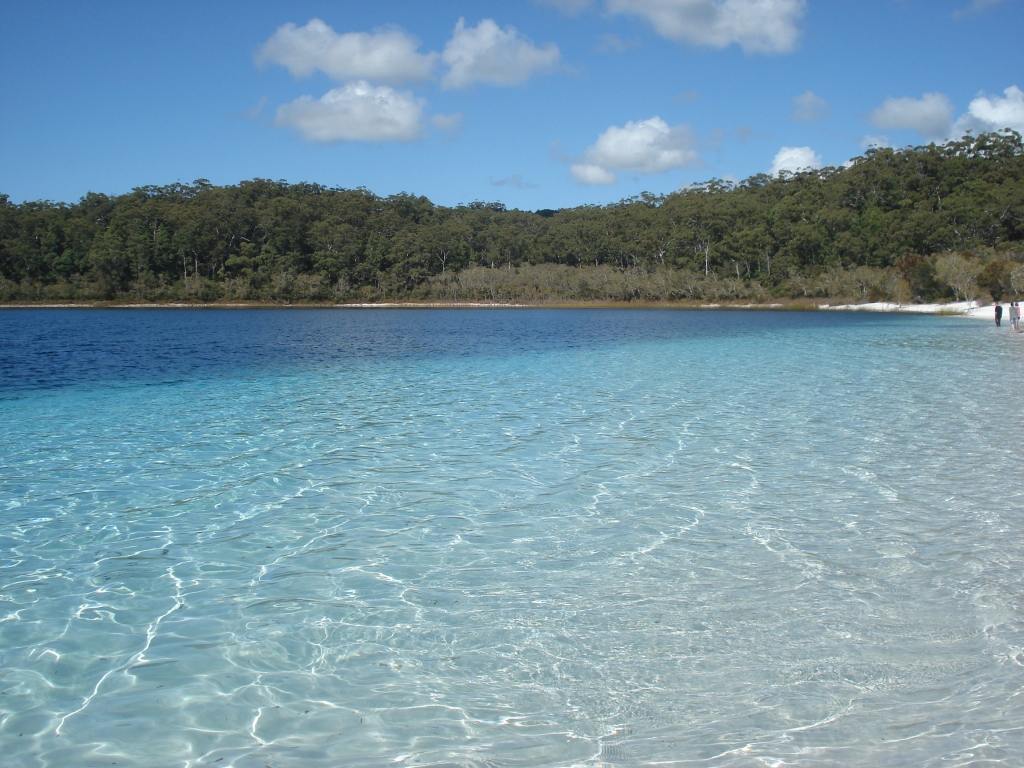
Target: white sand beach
[(982, 310)]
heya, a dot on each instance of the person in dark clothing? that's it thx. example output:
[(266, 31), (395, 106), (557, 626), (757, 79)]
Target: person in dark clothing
[(999, 314)]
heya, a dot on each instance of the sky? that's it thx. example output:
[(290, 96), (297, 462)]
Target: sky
[(532, 103)]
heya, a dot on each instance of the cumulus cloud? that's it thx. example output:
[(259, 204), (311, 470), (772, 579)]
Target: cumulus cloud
[(585, 173), (355, 112), (488, 54), (809, 106), (795, 159), (385, 56), (646, 146), (930, 116), (991, 113), (757, 26)]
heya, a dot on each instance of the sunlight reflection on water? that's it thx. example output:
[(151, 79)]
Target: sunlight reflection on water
[(509, 538)]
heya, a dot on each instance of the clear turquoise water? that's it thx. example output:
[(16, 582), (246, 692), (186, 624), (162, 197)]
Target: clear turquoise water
[(509, 538)]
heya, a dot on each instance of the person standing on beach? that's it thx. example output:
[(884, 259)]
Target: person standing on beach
[(999, 313), (1014, 314)]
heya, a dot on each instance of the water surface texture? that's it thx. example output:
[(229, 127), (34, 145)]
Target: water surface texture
[(318, 538)]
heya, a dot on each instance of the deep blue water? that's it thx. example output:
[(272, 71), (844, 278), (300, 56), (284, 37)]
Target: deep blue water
[(509, 538), (48, 348)]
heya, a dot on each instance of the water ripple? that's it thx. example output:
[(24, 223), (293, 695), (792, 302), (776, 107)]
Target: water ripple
[(500, 539)]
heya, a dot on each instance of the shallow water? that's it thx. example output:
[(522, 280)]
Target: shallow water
[(509, 538)]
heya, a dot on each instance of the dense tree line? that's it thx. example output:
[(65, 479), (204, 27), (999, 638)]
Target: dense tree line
[(921, 223)]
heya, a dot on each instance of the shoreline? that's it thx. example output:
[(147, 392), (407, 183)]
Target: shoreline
[(970, 309)]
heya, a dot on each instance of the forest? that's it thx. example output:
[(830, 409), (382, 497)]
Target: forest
[(928, 223)]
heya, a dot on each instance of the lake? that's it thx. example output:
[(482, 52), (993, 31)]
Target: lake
[(505, 537)]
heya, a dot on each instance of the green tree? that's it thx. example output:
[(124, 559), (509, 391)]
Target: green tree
[(996, 278)]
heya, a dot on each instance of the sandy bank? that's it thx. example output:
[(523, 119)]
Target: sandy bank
[(964, 308)]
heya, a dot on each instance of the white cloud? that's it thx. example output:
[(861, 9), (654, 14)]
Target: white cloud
[(975, 7), (355, 112), (991, 113), (795, 159), (615, 44), (646, 146), (450, 123), (930, 115), (488, 54), (592, 174), (757, 26), (875, 141), (255, 111), (386, 56), (809, 106)]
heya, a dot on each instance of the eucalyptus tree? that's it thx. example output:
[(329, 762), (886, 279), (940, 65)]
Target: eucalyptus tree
[(892, 212), (958, 273)]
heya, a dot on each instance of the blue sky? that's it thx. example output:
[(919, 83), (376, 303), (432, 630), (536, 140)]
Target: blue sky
[(533, 103)]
